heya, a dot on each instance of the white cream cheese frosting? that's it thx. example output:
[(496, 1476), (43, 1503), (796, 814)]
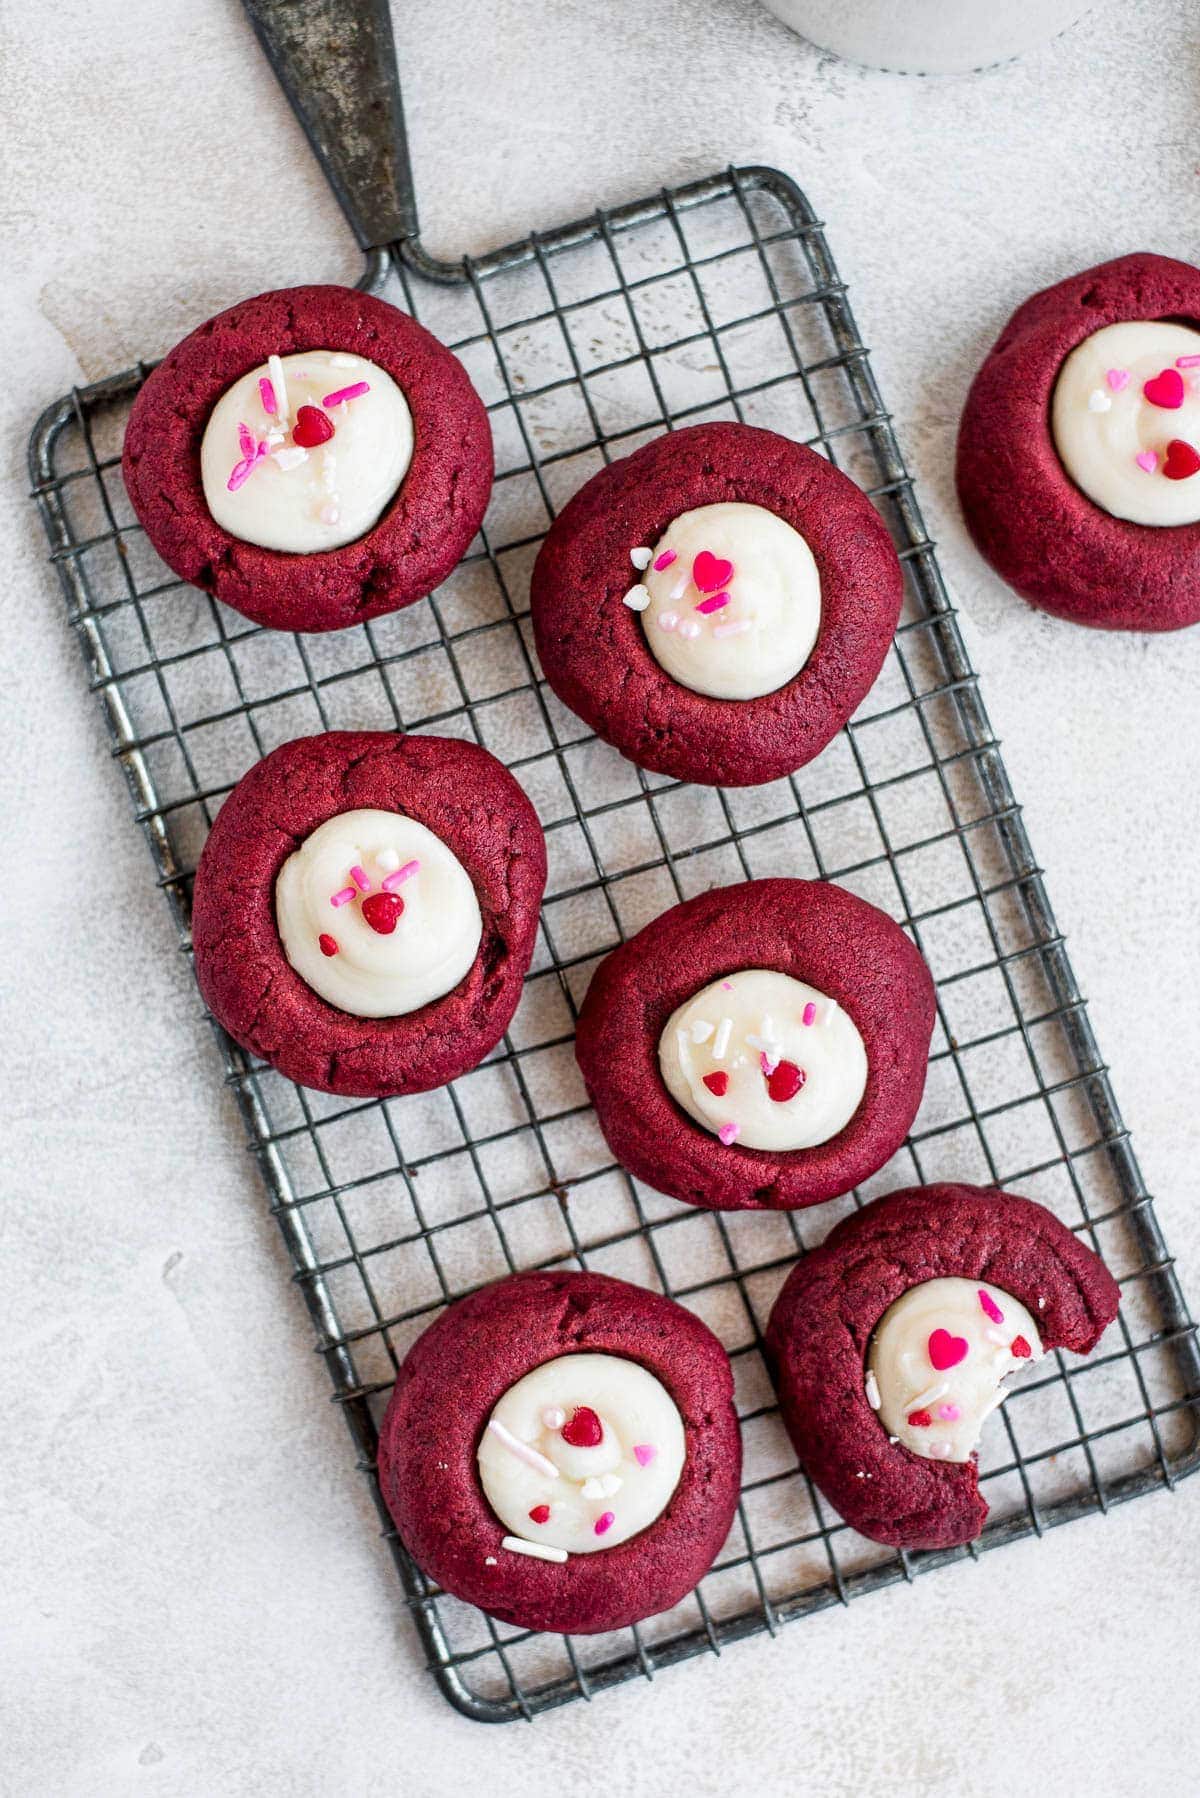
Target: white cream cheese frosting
[(376, 914), (765, 1061), (268, 482), (1126, 421), (580, 1454), (730, 600), (938, 1359)]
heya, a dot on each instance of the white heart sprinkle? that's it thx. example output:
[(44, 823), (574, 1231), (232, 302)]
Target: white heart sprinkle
[(1099, 402), (640, 557), (291, 457), (701, 1031), (637, 598)]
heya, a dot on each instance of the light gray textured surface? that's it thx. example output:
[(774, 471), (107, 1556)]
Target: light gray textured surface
[(197, 1600)]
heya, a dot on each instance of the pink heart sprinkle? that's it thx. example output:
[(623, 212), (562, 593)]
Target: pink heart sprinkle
[(1165, 390), (1117, 378), (949, 1413), (644, 1453), (989, 1307), (1147, 460), (727, 1133), (946, 1350), (710, 572), (604, 1523)]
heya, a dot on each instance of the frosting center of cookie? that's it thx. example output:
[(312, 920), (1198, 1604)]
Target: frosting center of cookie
[(734, 603), (377, 914), (1126, 421), (304, 452), (938, 1359), (581, 1453), (765, 1061)]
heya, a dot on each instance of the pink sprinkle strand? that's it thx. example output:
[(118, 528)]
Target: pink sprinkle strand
[(392, 881), (715, 602), (266, 394), (252, 454), (344, 897), (734, 628), (989, 1307), (644, 1453), (1180, 362), (246, 440), (355, 391), (766, 1064), (727, 1133), (360, 880), (604, 1523), (809, 1014), (668, 556)]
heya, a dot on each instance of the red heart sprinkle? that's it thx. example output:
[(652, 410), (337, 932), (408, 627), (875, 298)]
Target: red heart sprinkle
[(1019, 1348), (312, 428), (1181, 460), (328, 944), (583, 1428), (382, 912), (785, 1082), (540, 1514), (1165, 390), (946, 1350), (920, 1420), (718, 1083), (710, 572)]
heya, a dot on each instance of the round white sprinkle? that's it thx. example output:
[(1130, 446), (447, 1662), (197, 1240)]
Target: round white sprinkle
[(553, 1418), (721, 1043), (667, 620), (388, 860), (1098, 401), (689, 628), (871, 1387), (637, 598), (640, 557), (343, 361)]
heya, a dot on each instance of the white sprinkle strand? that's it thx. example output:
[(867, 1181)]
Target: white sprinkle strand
[(828, 1018), (680, 588), (275, 376), (871, 1387), (721, 1040), (640, 557), (537, 1551), (522, 1450), (734, 628), (290, 458), (638, 598), (927, 1397)]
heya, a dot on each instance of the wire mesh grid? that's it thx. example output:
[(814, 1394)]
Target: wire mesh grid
[(717, 300)]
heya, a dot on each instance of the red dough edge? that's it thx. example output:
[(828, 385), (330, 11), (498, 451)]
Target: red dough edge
[(593, 648), (455, 789), (451, 1379), (809, 929), (822, 1322), (422, 534), (1037, 529)]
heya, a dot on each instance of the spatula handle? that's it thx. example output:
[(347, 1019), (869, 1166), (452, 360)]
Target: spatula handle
[(336, 62)]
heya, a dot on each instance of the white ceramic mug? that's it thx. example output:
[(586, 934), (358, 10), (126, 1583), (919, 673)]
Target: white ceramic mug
[(928, 37)]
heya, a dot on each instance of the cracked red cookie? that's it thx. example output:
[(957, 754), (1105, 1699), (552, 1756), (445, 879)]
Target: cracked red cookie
[(890, 1343), (1079, 450), (562, 1450), (717, 604), (760, 1047), (313, 457), (366, 908)]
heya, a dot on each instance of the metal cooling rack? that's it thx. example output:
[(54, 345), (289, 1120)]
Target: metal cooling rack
[(714, 300)]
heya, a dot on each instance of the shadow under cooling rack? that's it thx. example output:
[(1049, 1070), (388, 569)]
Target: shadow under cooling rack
[(717, 300)]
